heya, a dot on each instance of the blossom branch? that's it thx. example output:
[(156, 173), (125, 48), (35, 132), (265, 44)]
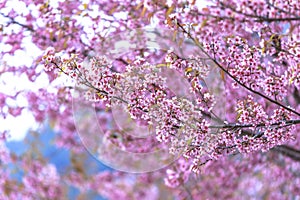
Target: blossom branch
[(288, 123), (234, 78), (260, 18), (12, 20)]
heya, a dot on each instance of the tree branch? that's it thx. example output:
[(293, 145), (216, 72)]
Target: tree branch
[(288, 122), (260, 18), (232, 77), (12, 20), (288, 151)]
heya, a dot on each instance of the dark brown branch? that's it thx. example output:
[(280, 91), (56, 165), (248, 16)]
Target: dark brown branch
[(280, 9), (288, 122), (260, 18), (288, 151), (235, 79), (12, 20)]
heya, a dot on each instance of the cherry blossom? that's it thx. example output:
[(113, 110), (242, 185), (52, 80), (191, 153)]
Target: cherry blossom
[(237, 57)]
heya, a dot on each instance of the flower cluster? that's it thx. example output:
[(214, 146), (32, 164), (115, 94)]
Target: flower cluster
[(274, 87), (143, 93), (250, 112), (267, 131), (251, 44), (42, 181), (179, 174)]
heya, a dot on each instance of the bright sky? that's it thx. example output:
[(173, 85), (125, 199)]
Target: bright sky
[(19, 126)]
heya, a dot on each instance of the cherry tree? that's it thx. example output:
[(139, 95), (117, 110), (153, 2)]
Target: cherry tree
[(200, 99)]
